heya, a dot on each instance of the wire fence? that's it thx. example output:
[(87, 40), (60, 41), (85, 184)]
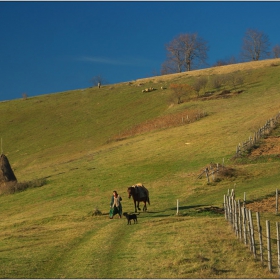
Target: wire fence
[(261, 133), (211, 170), (250, 231)]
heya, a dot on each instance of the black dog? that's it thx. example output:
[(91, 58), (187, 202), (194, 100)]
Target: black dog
[(130, 217)]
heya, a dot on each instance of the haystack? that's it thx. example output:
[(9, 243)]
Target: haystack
[(6, 172)]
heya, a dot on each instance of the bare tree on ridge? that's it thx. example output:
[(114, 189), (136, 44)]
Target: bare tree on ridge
[(255, 45)]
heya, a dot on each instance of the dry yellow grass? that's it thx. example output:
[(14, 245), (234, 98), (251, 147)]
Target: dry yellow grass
[(213, 70)]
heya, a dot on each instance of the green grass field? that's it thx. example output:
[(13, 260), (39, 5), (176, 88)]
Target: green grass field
[(85, 144)]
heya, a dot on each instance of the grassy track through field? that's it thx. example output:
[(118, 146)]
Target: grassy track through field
[(93, 254), (184, 248)]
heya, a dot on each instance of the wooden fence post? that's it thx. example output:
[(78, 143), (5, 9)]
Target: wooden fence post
[(244, 225), (207, 175), (233, 193), (249, 228), (232, 213), (229, 210), (225, 206), (278, 246), (268, 245), (252, 234), (239, 220), (276, 201), (260, 235), (235, 218)]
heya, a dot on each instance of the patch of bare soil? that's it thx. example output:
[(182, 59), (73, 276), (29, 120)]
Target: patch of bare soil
[(269, 146), (266, 205)]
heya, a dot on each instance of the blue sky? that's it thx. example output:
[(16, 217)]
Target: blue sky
[(48, 47)]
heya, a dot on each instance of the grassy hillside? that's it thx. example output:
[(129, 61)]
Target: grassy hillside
[(85, 144)]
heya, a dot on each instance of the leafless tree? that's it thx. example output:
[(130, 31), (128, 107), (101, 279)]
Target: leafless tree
[(235, 79), (194, 50), (255, 45), (227, 61), (174, 55), (217, 81), (168, 67), (97, 80), (276, 51), (185, 52), (199, 84)]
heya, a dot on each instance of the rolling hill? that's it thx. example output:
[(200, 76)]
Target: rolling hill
[(88, 142)]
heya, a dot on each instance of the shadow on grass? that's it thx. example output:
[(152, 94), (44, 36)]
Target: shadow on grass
[(199, 210), (159, 214), (188, 207), (190, 210)]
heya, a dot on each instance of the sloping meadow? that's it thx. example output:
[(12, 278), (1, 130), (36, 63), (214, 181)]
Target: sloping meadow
[(87, 143)]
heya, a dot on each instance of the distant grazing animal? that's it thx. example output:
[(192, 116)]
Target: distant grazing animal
[(139, 193), (130, 217), (148, 89)]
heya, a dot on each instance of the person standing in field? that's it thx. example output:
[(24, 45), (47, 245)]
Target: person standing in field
[(115, 205)]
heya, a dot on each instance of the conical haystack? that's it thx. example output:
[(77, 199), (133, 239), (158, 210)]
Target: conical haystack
[(6, 172)]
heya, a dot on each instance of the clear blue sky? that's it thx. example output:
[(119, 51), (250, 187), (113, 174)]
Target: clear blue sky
[(48, 47)]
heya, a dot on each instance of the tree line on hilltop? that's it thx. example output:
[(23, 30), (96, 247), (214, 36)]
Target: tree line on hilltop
[(189, 51)]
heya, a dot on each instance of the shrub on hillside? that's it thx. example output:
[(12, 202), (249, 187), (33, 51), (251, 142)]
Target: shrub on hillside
[(199, 84), (14, 186), (217, 82), (179, 91)]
